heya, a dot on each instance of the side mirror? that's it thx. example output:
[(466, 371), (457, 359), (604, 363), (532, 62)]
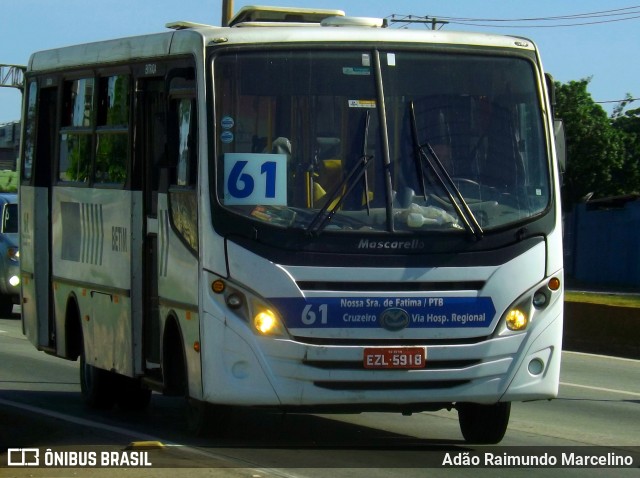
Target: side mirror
[(561, 151), (558, 125), (551, 90)]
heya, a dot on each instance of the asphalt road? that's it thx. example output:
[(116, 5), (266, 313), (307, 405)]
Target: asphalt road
[(40, 408)]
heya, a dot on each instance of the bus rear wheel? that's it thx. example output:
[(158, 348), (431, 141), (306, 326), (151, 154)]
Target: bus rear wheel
[(483, 424), (131, 395), (96, 385)]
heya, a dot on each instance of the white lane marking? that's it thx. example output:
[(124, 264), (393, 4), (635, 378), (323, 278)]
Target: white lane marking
[(238, 462), (600, 389), (76, 420), (124, 432)]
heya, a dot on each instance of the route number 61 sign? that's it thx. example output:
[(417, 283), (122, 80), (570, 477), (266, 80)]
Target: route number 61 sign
[(255, 179)]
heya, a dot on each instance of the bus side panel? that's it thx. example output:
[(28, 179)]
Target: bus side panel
[(91, 261), (35, 280)]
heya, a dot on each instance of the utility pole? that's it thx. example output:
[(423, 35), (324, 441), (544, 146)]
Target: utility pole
[(435, 22), (227, 12)]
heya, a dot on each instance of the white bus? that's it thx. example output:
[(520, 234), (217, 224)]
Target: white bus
[(303, 211)]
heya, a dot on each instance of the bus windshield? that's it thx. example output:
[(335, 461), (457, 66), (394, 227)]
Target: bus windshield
[(384, 141)]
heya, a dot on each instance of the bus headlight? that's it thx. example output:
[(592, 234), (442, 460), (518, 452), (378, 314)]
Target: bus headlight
[(528, 307), (266, 322), (252, 309), (516, 319), (234, 300)]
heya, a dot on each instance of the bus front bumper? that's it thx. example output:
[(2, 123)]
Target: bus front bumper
[(259, 371)]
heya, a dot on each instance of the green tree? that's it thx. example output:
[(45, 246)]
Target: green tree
[(628, 123), (597, 160)]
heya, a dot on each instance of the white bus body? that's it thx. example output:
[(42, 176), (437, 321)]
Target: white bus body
[(297, 216)]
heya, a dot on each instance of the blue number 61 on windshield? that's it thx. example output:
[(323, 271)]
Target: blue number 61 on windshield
[(255, 179)]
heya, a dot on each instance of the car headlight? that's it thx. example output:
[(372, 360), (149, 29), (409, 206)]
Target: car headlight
[(13, 254)]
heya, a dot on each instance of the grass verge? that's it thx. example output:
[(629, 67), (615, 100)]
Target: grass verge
[(8, 181), (616, 300)]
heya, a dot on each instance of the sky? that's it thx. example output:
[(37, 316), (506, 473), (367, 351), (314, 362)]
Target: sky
[(604, 47)]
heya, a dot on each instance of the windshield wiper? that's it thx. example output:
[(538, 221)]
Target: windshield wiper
[(440, 173), (357, 172)]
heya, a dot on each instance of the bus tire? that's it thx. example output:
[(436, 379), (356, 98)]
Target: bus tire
[(96, 385), (6, 306), (483, 424), (197, 416), (202, 418), (174, 362), (206, 419), (131, 395)]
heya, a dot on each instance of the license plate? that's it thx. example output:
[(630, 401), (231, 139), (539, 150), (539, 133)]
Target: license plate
[(395, 357)]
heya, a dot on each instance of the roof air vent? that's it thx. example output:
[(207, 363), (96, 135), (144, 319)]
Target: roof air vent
[(353, 22), (182, 25), (256, 15)]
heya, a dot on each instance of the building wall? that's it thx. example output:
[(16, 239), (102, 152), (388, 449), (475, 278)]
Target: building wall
[(602, 242), (9, 145)]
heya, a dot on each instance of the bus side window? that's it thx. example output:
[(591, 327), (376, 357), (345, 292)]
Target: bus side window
[(186, 142), (30, 131), (76, 132), (183, 162), (112, 148)]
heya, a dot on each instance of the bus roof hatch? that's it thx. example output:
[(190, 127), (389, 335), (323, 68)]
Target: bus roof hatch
[(261, 15)]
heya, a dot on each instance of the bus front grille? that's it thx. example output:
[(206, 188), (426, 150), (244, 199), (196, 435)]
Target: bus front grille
[(395, 385), (358, 365), (387, 342)]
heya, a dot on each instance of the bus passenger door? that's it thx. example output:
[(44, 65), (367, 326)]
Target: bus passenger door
[(150, 151), (35, 216), (167, 124)]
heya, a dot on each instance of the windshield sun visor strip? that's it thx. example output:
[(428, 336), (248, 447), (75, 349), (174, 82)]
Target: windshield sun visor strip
[(391, 286)]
